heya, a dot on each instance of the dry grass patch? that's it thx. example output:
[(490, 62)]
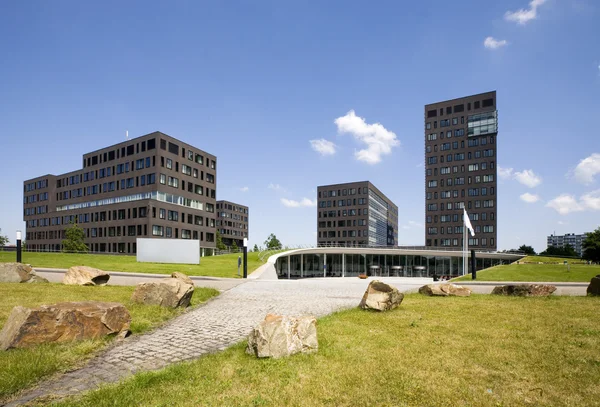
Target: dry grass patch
[(21, 368), (477, 351)]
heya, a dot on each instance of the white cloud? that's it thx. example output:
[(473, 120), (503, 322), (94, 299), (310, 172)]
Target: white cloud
[(528, 178), (244, 189), (378, 139), (276, 187), (415, 224), (591, 200), (290, 203), (529, 198), (505, 173), (560, 222), (492, 43), (323, 147), (523, 16), (565, 204), (587, 169)]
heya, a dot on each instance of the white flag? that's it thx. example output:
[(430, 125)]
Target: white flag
[(468, 222)]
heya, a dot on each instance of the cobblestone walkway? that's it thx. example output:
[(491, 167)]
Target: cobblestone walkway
[(215, 326)]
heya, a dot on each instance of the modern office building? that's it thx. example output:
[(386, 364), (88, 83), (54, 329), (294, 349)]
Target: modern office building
[(460, 170), (571, 239), (153, 186), (232, 223), (355, 214)]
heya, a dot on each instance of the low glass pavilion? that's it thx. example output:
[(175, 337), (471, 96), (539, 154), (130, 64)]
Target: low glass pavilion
[(380, 262)]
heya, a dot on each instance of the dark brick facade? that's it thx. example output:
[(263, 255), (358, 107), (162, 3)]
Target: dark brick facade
[(150, 186), (461, 168), (232, 222)]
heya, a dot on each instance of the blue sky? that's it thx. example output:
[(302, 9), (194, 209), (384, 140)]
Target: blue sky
[(255, 82)]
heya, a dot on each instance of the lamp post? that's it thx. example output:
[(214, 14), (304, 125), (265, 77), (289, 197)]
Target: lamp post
[(245, 258), (18, 246)]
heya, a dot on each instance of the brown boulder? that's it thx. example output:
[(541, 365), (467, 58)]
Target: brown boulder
[(182, 277), (84, 275), (594, 287), (525, 290), (168, 292), (19, 273), (445, 290), (381, 297), (279, 336), (66, 321)]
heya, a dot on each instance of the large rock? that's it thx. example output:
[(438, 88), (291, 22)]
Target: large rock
[(525, 290), (594, 287), (445, 290), (279, 336), (19, 273), (84, 275), (381, 297), (63, 322), (168, 292), (182, 277)]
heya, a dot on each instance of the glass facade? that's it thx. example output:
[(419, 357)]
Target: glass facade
[(483, 123), (375, 265), (378, 224)]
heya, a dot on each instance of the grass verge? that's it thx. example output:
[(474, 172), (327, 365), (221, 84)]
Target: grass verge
[(536, 272), (22, 368), (214, 266), (477, 351)]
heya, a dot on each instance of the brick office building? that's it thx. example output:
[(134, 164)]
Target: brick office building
[(354, 214), (232, 223), (153, 186), (461, 169)]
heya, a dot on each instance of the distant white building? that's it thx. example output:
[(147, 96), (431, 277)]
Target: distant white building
[(571, 239)]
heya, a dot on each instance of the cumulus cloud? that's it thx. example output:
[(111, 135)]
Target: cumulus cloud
[(528, 178), (523, 16), (587, 169), (290, 203), (529, 198), (492, 43), (565, 203), (323, 147), (379, 141), (505, 173), (244, 189)]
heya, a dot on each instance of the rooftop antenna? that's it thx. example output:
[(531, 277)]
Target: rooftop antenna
[(126, 134)]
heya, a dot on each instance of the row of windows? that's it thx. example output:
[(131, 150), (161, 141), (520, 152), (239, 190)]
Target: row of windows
[(449, 230), (477, 179), (31, 186), (118, 153), (455, 242), (344, 233), (186, 169), (489, 102), (35, 198), (343, 192), (122, 168), (345, 212), (167, 231), (191, 156), (125, 183), (455, 169), (231, 215), (474, 142), (488, 203), (230, 207), (342, 202), (459, 217), (461, 156), (343, 223), (230, 224)]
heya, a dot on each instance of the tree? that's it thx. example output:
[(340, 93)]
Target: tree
[(220, 244), (566, 251), (272, 242), (591, 246), (3, 239), (527, 250), (74, 240), (234, 247), (255, 249)]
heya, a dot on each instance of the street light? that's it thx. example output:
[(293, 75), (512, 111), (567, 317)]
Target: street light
[(245, 258), (18, 246)]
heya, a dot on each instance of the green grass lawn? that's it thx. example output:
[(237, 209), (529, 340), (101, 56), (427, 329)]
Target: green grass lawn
[(545, 259), (21, 368), (536, 272), (478, 351), (215, 266)]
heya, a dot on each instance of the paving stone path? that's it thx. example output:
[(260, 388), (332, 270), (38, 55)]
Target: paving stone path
[(212, 327)]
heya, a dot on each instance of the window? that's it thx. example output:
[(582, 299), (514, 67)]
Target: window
[(432, 184), (157, 230), (428, 126), (186, 234), (173, 182), (186, 169), (169, 163), (173, 215), (432, 137)]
